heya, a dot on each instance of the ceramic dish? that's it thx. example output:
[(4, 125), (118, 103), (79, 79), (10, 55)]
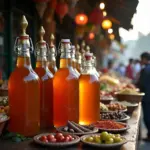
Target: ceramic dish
[(60, 129), (114, 130), (57, 144), (110, 111), (121, 120), (104, 146)]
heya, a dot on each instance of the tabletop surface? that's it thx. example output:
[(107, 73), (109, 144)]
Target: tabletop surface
[(131, 135)]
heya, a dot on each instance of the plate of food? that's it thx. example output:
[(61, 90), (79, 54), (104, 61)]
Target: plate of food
[(130, 106), (112, 107), (56, 139), (104, 140), (116, 116), (77, 129), (111, 126)]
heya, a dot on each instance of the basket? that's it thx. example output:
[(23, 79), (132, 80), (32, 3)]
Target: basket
[(130, 98)]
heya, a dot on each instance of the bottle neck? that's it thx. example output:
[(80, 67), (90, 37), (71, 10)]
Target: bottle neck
[(41, 62), (65, 60), (88, 67), (23, 59)]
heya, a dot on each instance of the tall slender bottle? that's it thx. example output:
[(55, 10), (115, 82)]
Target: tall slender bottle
[(89, 94), (79, 59), (66, 89), (51, 56), (46, 83), (94, 65), (73, 59), (24, 89), (83, 46)]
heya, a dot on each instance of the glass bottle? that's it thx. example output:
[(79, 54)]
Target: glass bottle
[(82, 53), (73, 60), (66, 89), (46, 83), (51, 56), (89, 94), (79, 59), (24, 89), (94, 66)]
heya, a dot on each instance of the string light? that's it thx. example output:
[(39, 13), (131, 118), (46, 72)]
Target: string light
[(104, 13), (112, 36), (102, 6), (110, 30)]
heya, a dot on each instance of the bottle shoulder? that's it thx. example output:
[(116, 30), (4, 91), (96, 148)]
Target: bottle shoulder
[(89, 77), (25, 74), (66, 73)]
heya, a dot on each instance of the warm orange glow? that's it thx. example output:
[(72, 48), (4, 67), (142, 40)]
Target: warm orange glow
[(112, 36), (81, 19), (106, 24), (104, 13), (91, 36)]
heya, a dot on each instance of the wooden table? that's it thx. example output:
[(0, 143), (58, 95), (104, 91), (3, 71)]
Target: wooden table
[(131, 135)]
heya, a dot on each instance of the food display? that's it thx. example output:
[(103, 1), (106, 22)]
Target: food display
[(3, 117), (117, 116), (56, 139), (112, 107), (103, 138), (103, 107), (116, 107), (4, 108), (109, 124), (74, 128), (129, 91)]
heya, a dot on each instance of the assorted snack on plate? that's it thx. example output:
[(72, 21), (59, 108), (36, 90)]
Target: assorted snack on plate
[(112, 107), (77, 129), (109, 124), (117, 116), (4, 108), (129, 91), (104, 138)]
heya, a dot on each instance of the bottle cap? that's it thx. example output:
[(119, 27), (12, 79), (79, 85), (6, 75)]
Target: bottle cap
[(87, 49), (24, 24), (65, 40), (88, 56), (41, 34)]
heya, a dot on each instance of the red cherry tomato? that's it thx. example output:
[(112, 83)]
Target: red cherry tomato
[(69, 136), (61, 138), (58, 135), (53, 140), (50, 137), (43, 139), (67, 139)]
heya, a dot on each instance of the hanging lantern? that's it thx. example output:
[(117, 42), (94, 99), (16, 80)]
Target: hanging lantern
[(81, 19), (91, 36), (111, 36), (106, 24), (96, 16), (41, 6), (61, 9)]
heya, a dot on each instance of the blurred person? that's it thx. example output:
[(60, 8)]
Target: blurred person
[(136, 70), (121, 69), (129, 69), (144, 86)]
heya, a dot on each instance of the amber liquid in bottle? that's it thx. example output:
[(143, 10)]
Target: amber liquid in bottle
[(66, 93), (88, 97), (46, 94), (46, 83), (24, 90), (52, 67), (24, 99)]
